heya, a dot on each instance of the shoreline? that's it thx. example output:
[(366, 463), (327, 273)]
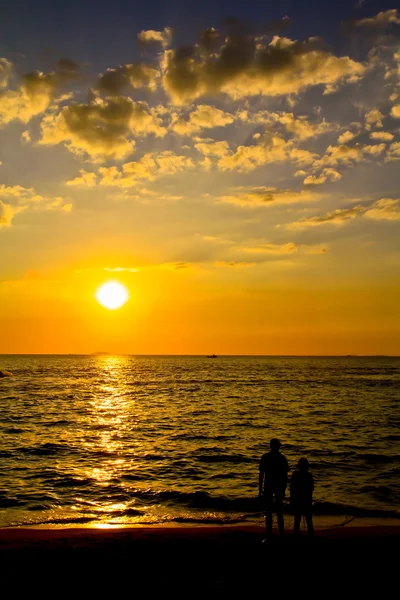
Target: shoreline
[(349, 528), (321, 522), (198, 559)]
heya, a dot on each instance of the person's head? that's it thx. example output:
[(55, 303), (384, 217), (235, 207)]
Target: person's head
[(275, 445), (303, 464)]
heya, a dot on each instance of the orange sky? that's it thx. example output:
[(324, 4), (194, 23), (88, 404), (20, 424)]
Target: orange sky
[(253, 209)]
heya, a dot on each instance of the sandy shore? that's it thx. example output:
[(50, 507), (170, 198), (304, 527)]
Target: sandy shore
[(209, 558)]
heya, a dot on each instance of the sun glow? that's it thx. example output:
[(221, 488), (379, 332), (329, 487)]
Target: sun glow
[(112, 295)]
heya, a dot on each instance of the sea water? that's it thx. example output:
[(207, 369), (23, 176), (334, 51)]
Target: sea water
[(161, 439)]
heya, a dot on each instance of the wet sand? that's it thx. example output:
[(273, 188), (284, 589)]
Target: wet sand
[(196, 560)]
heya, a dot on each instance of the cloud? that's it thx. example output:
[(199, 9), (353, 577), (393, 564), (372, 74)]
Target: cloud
[(327, 174), (155, 38), (385, 209), (373, 118), (381, 135), (67, 65), (346, 137), (347, 155), (141, 75), (264, 196), (337, 217), (302, 129), (122, 270), (375, 149), (395, 112), (218, 149), (380, 21), (285, 249), (6, 68), (7, 213), (298, 126), (15, 199), (393, 152), (243, 65), (34, 96), (84, 180), (102, 128), (275, 249), (233, 264), (275, 149), (149, 167), (203, 117)]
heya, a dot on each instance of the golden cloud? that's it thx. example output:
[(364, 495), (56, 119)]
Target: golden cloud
[(7, 213), (101, 128), (299, 126), (203, 117), (385, 209), (381, 135), (6, 68), (393, 152), (264, 196), (275, 249), (395, 112), (302, 129), (285, 249), (336, 217), (347, 155), (218, 149), (157, 38), (149, 167), (382, 20), (243, 65), (374, 118), (84, 180), (275, 149), (34, 96), (233, 264), (15, 199), (345, 137), (327, 174)]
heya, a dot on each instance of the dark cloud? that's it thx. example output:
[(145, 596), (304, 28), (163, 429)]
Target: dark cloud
[(66, 64), (101, 128), (140, 75), (244, 64)]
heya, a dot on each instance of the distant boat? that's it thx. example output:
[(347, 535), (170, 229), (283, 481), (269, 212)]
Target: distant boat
[(212, 356)]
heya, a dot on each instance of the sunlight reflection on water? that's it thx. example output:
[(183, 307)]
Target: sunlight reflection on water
[(150, 439)]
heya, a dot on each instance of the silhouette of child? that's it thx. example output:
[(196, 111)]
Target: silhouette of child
[(301, 491)]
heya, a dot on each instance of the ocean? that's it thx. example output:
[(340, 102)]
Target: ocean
[(177, 439)]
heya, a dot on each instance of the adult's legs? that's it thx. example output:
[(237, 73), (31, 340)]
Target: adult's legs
[(279, 512), (309, 521), (268, 513), (297, 521)]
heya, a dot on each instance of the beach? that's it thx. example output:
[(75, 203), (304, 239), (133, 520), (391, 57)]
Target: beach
[(206, 559)]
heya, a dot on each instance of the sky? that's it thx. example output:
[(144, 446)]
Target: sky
[(235, 165)]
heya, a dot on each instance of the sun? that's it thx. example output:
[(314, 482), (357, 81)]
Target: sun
[(112, 295)]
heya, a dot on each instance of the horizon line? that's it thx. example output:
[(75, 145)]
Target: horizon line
[(201, 355)]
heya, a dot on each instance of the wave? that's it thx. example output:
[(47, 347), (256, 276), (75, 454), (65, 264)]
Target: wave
[(47, 449), (205, 501)]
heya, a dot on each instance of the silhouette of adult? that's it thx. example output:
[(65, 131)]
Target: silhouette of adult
[(272, 484), (301, 491)]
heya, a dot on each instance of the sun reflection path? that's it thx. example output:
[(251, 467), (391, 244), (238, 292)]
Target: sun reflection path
[(111, 421)]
